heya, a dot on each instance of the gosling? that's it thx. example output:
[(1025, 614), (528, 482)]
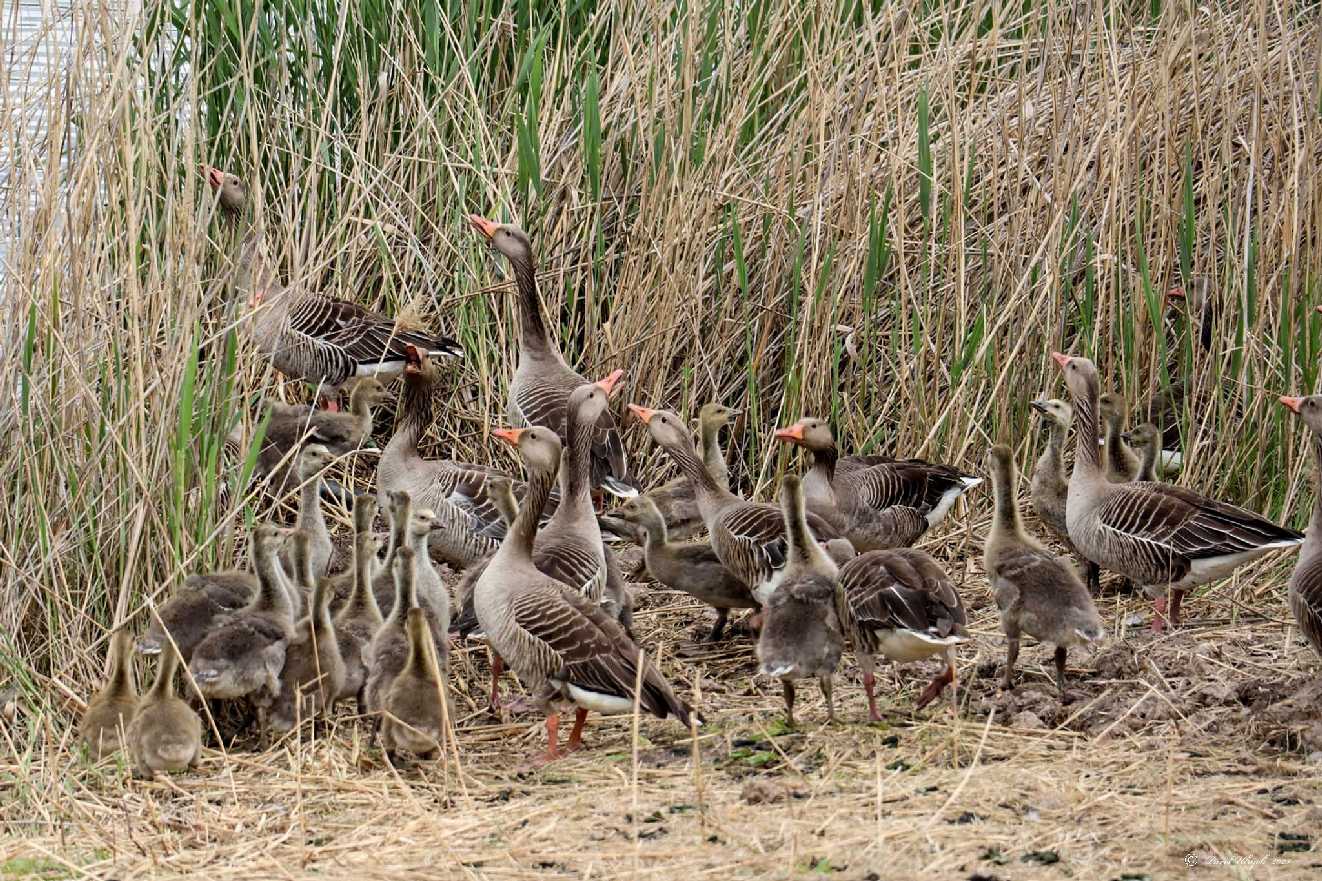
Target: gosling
[(165, 734), (111, 710)]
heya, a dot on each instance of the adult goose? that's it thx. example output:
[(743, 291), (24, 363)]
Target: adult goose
[(1165, 539), (564, 647), (1306, 582), (748, 537), (1036, 592), (1049, 485), (676, 501), (457, 492), (543, 381), (320, 339), (874, 501), (904, 607)]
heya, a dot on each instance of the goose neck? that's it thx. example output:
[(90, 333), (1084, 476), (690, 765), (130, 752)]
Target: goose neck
[(533, 337)]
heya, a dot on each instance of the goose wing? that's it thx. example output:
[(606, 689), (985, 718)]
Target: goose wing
[(346, 336), (751, 541), (911, 483), (1306, 600), (1175, 522), (902, 589), (572, 640)]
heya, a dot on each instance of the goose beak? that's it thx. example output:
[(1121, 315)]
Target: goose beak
[(1175, 293), (608, 384), (215, 177), (644, 414), (509, 435), (1292, 403), (481, 224), (793, 434), (1062, 360), (412, 360), (1039, 405), (1319, 310)]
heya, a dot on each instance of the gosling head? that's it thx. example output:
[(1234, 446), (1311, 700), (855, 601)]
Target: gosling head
[(714, 415), (313, 460), (1053, 410)]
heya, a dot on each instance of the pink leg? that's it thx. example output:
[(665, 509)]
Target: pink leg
[(1159, 614), (935, 688), (576, 734), (552, 741), (330, 403), (1176, 597), (869, 686)]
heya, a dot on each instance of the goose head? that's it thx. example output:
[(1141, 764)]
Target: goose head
[(666, 428), (1054, 410), (230, 189), (506, 238), (1080, 375), (539, 447), (1142, 435), (1309, 409), (809, 432), (714, 415), (591, 399), (423, 521), (313, 460)]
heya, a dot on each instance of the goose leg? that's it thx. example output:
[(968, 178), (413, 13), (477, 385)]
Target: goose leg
[(936, 686), (718, 629), (830, 704), (497, 667), (1011, 657), (866, 661), (552, 740), (576, 733), (788, 688), (1159, 614), (1093, 573), (1060, 669), (1177, 596)]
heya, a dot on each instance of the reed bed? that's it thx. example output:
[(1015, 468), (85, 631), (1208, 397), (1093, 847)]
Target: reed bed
[(714, 189)]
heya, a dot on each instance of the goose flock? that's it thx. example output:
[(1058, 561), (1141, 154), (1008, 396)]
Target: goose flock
[(829, 566)]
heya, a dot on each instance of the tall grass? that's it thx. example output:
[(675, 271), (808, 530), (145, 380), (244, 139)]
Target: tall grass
[(712, 187)]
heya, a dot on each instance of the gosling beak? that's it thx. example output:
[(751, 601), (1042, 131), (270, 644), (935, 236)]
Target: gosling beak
[(509, 435), (1293, 403), (644, 414), (793, 434), (1062, 360), (481, 224), (1039, 405), (608, 384)]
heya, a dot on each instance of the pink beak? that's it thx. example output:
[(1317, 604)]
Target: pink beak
[(1062, 360), (214, 176), (608, 384), (1293, 403)]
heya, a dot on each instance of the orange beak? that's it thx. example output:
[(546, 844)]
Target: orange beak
[(1319, 309), (509, 435), (643, 413), (1293, 403), (793, 434), (608, 384), (1175, 293), (214, 175), (412, 360), (481, 224), (1062, 360)]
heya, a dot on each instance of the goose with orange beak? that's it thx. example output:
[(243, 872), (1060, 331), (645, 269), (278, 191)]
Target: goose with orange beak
[(749, 538), (1165, 539), (1306, 582), (874, 501), (543, 380), (565, 648)]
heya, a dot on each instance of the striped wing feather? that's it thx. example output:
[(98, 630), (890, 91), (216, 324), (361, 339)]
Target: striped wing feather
[(579, 644), (1306, 600), (344, 334), (902, 589), (911, 483), (1174, 520)]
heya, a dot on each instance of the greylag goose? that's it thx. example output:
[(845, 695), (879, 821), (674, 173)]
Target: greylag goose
[(1122, 463), (1147, 440), (1306, 581), (343, 583), (1165, 539), (111, 709), (358, 621), (312, 461), (874, 501), (429, 588), (905, 608), (803, 629), (1036, 593), (748, 537), (320, 339), (245, 654), (165, 734), (676, 500), (563, 646), (389, 650), (543, 381), (197, 607), (414, 717), (313, 674), (468, 524), (1049, 485), (692, 567)]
